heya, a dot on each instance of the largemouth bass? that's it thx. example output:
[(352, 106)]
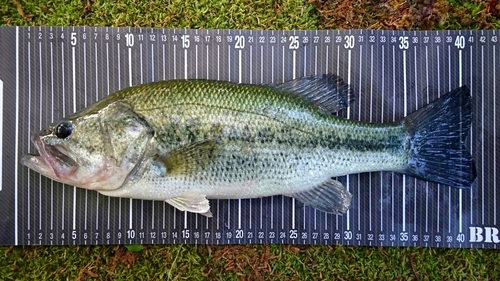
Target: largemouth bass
[(186, 141)]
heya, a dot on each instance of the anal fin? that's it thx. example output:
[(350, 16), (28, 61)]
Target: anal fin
[(330, 197), (195, 203)]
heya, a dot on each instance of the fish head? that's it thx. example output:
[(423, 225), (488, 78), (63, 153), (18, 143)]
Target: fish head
[(99, 148)]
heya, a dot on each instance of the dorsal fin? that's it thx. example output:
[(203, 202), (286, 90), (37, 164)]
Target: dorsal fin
[(327, 91)]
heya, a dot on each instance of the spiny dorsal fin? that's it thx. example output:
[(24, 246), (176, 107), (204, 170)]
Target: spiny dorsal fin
[(327, 91), (330, 197), (190, 158)]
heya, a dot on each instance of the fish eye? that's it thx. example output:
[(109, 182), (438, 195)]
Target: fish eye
[(64, 129)]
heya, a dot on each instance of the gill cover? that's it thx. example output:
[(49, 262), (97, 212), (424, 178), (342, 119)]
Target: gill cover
[(125, 141)]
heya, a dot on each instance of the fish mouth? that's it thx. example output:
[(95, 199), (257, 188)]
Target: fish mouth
[(52, 161)]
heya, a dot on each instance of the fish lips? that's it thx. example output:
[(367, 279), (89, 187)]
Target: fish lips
[(53, 160)]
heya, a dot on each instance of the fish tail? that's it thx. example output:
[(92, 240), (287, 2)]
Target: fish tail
[(437, 141)]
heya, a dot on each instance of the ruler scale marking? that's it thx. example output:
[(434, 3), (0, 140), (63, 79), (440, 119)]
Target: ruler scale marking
[(371, 120), (85, 104), (29, 133), (359, 118), (449, 89), (427, 101), (73, 72), (405, 112), (472, 128), (494, 142), (382, 121), (415, 61), (40, 127), (482, 134), (439, 93)]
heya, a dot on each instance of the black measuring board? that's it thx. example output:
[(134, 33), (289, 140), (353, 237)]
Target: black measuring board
[(50, 72)]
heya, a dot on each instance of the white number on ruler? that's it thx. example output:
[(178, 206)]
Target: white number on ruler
[(185, 41), (130, 234), (294, 42), (129, 39), (240, 41), (403, 42), (73, 38), (349, 41), (403, 236), (460, 42)]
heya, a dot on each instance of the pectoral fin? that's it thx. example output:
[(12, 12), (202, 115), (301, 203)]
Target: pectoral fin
[(330, 197), (195, 203), (189, 159)]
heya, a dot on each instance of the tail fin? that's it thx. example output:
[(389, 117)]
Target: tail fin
[(437, 146)]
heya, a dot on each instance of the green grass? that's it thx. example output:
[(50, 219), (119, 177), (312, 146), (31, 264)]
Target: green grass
[(252, 262), (244, 14), (255, 262)]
